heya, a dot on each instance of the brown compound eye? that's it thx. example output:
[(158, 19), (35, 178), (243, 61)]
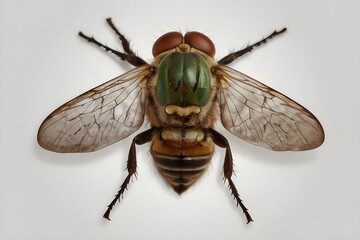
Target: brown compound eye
[(166, 42), (201, 42)]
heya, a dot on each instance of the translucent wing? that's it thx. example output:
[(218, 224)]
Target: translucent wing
[(99, 117), (262, 116)]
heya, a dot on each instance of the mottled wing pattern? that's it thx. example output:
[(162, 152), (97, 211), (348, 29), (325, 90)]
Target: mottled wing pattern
[(99, 117), (262, 116)]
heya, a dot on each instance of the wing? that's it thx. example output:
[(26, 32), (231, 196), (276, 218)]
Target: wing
[(99, 117), (262, 116)]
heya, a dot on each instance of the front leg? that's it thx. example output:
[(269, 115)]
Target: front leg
[(139, 139), (221, 141), (232, 56), (128, 54)]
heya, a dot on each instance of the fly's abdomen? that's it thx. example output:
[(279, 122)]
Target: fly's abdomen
[(181, 156)]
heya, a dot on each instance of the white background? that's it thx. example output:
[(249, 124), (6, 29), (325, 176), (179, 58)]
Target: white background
[(291, 195)]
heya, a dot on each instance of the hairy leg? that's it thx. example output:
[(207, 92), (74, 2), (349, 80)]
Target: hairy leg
[(232, 56)]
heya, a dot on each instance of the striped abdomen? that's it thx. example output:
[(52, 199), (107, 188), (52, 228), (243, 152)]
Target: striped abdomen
[(181, 156)]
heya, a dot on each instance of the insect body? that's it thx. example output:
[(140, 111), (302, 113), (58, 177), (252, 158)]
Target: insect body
[(180, 92)]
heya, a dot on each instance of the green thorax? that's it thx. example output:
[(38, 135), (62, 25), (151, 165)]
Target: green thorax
[(183, 80)]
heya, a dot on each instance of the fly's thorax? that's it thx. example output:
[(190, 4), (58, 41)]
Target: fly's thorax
[(183, 79), (182, 91)]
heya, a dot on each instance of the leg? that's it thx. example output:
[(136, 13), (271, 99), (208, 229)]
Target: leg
[(232, 56), (129, 54), (124, 42), (221, 141), (139, 139)]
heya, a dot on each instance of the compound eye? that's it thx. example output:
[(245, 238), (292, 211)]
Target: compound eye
[(166, 42), (201, 42)]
